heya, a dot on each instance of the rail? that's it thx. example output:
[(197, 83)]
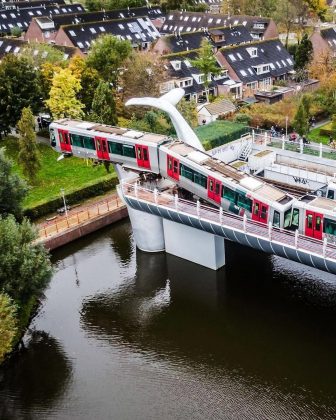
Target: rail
[(53, 227), (214, 215)]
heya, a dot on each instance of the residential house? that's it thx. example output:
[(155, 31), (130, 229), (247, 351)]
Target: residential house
[(21, 18), (187, 41), (324, 42), (46, 30), (210, 112), (140, 31), (15, 46), (182, 73), (178, 22), (258, 65), (24, 4)]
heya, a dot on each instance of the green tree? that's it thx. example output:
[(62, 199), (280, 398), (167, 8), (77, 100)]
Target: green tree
[(103, 105), (12, 188), (19, 88), (8, 324), (300, 122), (38, 54), (63, 102), (28, 152), (286, 14), (16, 31), (107, 55), (25, 268), (206, 63), (189, 111), (304, 53)]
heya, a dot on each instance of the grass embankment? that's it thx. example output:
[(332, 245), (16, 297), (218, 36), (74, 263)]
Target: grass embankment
[(72, 174), (315, 136)]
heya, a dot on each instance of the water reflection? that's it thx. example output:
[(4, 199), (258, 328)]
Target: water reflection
[(247, 317), (35, 379)]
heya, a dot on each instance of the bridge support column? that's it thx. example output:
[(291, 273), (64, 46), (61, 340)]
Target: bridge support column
[(194, 245)]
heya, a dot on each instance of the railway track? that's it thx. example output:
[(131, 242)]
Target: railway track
[(290, 189)]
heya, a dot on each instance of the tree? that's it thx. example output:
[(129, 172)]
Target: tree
[(103, 105), (143, 74), (8, 324), (25, 268), (300, 122), (189, 111), (286, 14), (304, 53), (12, 188), (107, 55), (38, 54), (63, 102), (28, 153), (206, 63), (89, 80), (19, 88)]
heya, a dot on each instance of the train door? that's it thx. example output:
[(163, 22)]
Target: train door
[(173, 167), (64, 140), (314, 226), (102, 148), (260, 211), (142, 155), (214, 189)]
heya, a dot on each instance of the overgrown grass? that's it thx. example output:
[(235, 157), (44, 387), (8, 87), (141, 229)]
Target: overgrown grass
[(314, 135), (71, 174)]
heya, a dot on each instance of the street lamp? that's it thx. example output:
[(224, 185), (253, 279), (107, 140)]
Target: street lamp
[(64, 202), (286, 126)]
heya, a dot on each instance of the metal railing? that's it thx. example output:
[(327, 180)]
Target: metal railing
[(231, 221), (73, 219)]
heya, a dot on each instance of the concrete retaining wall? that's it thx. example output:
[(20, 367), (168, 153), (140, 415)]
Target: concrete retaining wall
[(85, 228)]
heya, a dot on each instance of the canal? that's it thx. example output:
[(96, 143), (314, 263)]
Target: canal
[(123, 335)]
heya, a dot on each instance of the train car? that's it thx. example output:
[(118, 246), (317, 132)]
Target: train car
[(314, 217), (222, 185), (133, 149)]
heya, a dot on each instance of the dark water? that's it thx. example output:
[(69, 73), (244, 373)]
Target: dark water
[(127, 335)]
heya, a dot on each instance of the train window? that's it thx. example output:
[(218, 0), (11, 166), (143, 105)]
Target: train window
[(263, 214), (244, 202), (175, 166), (211, 185), (295, 218), (229, 194), (88, 143), (187, 172), (330, 226), (310, 221), (287, 218), (169, 163), (276, 219), (318, 223), (145, 154), (115, 148), (128, 150), (52, 138), (76, 140), (200, 179), (331, 194)]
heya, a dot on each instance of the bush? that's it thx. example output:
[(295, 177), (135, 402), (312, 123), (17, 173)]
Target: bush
[(243, 119), (16, 31), (93, 190), (8, 324)]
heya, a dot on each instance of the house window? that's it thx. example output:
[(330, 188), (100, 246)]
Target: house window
[(252, 85)]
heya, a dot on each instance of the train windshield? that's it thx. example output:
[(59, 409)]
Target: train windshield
[(288, 219)]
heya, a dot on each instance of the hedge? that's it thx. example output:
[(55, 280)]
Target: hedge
[(93, 190)]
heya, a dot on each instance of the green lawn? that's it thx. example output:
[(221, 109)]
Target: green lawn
[(71, 173), (314, 135), (219, 132)]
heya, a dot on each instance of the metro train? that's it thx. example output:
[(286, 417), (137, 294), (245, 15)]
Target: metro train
[(197, 172)]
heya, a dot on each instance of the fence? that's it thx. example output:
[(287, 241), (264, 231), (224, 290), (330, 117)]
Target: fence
[(231, 221), (53, 227)]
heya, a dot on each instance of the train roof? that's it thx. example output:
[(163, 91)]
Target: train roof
[(321, 203), (99, 129), (250, 183)]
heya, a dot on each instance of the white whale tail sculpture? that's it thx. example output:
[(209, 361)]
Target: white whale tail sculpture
[(167, 104)]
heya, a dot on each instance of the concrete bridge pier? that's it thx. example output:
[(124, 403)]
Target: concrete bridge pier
[(194, 245)]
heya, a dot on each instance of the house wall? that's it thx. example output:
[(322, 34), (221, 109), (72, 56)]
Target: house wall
[(320, 46), (62, 39), (34, 32), (271, 30)]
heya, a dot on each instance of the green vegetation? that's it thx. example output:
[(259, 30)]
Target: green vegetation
[(220, 132), (317, 135), (8, 324), (71, 174)]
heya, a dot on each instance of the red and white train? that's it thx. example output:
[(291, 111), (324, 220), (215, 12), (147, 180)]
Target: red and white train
[(197, 172)]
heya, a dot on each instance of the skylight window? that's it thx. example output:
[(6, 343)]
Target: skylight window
[(80, 44), (278, 47), (232, 57), (8, 48), (30, 13), (93, 31), (284, 62), (129, 37), (194, 19), (278, 64), (245, 22), (210, 20), (186, 18), (235, 22), (289, 61), (121, 26), (243, 73), (272, 66), (218, 21), (3, 16), (72, 33), (250, 71), (39, 12), (102, 29), (13, 16), (239, 56)]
